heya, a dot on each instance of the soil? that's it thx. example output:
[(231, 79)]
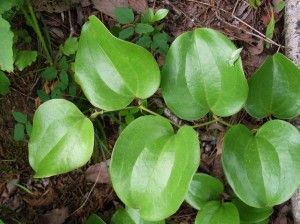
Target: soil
[(71, 197)]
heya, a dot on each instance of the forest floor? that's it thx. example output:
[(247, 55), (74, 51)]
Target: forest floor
[(72, 197)]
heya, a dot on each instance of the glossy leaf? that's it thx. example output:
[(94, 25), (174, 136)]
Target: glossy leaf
[(263, 170), (94, 219), (112, 72), (251, 215), (130, 216), (199, 76), (6, 52), (25, 59), (4, 84), (215, 212), (203, 188), (62, 138), (275, 89), (152, 167)]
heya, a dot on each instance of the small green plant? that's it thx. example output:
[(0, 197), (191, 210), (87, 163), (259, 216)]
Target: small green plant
[(61, 73), (255, 3), (146, 31), (154, 160), (22, 127)]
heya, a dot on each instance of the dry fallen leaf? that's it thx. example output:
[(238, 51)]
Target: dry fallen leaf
[(108, 6), (8, 189), (55, 216), (99, 170), (139, 6)]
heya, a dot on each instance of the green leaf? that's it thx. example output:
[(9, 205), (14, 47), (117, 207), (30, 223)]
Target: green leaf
[(43, 95), (275, 89), (6, 51), (142, 28), (70, 46), (28, 128), (72, 90), (19, 132), (20, 117), (270, 29), (144, 41), (49, 73), (235, 56), (1, 222), (157, 161), (250, 215), (64, 80), (126, 33), (148, 16), (124, 15), (63, 64), (6, 5), (117, 71), (62, 139), (4, 84), (279, 6), (160, 43), (56, 93), (94, 219), (160, 14), (130, 216), (263, 170), (255, 3), (25, 58), (203, 188), (215, 212), (197, 77)]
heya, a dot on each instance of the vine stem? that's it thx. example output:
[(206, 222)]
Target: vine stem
[(205, 123), (37, 30), (96, 114), (141, 107)]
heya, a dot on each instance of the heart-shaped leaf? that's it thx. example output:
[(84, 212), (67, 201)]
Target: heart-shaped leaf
[(152, 168), (275, 89), (130, 216), (200, 76), (203, 188), (263, 170), (216, 212), (250, 215), (62, 138), (112, 72)]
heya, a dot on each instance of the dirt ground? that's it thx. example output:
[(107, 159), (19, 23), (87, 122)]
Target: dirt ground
[(71, 197)]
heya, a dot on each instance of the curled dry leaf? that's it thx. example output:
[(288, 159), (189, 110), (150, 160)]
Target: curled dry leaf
[(99, 170), (57, 216)]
